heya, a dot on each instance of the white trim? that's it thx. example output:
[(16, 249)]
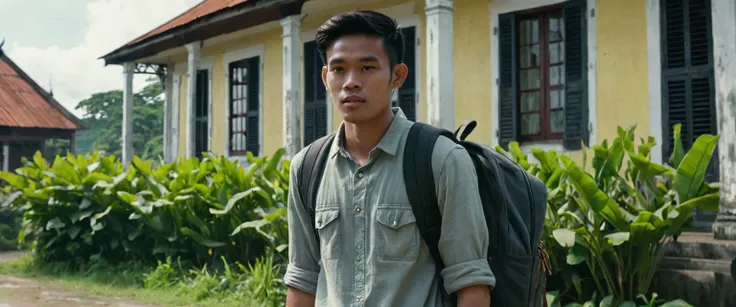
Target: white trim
[(654, 62), (227, 58), (175, 116), (168, 103), (498, 7)]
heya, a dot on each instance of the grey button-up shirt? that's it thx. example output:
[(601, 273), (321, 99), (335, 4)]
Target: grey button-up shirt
[(370, 252)]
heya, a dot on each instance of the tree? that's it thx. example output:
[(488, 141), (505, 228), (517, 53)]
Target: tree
[(103, 114)]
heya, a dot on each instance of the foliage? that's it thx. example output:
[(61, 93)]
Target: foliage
[(103, 114), (606, 229), (82, 208), (261, 282), (168, 284)]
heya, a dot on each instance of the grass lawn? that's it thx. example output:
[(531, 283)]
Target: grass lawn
[(120, 282)]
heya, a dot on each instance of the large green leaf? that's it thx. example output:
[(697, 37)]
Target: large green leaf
[(200, 239), (593, 196), (692, 169)]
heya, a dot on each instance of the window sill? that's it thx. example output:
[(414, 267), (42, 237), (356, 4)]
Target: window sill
[(555, 145)]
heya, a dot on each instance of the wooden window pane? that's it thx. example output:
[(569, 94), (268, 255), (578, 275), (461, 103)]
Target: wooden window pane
[(530, 102), (556, 52), (529, 56), (529, 79), (557, 75), (530, 124), (557, 121), (557, 99)]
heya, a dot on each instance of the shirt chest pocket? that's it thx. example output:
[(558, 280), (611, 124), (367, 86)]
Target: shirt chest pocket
[(329, 236), (397, 235)]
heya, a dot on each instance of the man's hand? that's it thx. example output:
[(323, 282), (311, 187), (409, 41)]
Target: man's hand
[(298, 298), (474, 296)]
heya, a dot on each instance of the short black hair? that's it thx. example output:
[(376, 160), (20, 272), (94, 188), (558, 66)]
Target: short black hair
[(362, 22)]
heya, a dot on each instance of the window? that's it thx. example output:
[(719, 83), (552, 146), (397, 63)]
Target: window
[(201, 113), (543, 75), (244, 121), (541, 65)]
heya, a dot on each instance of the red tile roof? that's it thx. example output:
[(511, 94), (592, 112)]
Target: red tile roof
[(25, 104), (204, 8)]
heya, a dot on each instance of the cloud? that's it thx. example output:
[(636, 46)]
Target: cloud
[(77, 72)]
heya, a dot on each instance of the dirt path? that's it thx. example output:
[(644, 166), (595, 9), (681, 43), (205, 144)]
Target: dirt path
[(23, 292)]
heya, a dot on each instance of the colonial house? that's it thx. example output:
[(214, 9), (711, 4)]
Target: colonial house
[(243, 75), (30, 117)]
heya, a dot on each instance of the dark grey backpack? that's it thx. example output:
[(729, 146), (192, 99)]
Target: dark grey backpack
[(514, 203)]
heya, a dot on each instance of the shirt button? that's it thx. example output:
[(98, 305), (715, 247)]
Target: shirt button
[(357, 209), (360, 175), (357, 299)]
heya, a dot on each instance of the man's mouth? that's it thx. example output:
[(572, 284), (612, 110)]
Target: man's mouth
[(353, 99)]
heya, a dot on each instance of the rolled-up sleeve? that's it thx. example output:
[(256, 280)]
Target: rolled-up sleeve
[(303, 269), (464, 239)]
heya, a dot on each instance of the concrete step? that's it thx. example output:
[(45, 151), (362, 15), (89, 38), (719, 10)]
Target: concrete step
[(697, 287), (701, 246), (696, 264)]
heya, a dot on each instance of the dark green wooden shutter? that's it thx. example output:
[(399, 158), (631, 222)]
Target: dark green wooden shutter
[(407, 91), (315, 95), (576, 74), (688, 88), (201, 112), (253, 109), (508, 112)]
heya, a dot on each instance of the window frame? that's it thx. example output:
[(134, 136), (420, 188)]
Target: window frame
[(542, 14), (228, 58), (231, 105)]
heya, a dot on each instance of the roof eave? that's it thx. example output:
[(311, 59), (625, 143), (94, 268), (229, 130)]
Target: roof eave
[(246, 15), (69, 115)]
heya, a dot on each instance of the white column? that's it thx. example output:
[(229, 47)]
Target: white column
[(128, 71), (440, 64), (724, 57), (168, 103), (192, 66), (291, 123)]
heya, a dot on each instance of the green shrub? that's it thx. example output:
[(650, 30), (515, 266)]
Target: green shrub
[(606, 227), (81, 208)]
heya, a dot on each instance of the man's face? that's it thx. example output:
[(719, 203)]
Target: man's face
[(359, 77)]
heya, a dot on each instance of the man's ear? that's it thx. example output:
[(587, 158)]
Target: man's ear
[(324, 77), (398, 76)]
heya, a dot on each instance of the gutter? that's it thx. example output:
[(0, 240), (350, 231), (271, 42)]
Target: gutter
[(222, 22)]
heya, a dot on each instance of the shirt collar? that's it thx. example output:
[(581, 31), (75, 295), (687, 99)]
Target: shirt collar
[(390, 141)]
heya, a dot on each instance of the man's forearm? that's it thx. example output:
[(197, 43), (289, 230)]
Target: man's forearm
[(298, 298), (474, 296)]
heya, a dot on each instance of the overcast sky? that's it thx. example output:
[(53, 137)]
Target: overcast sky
[(61, 40)]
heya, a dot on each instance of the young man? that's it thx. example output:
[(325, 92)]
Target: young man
[(369, 251)]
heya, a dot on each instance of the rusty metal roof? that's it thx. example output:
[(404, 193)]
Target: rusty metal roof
[(202, 9), (207, 19), (23, 103)]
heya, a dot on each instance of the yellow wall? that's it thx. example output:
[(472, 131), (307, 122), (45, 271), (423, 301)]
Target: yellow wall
[(621, 83), (623, 98)]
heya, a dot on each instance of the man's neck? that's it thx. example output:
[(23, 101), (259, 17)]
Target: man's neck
[(361, 138)]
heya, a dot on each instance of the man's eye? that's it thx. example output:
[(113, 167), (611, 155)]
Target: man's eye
[(337, 69), (368, 67)]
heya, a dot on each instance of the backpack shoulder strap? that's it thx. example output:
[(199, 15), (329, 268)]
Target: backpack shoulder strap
[(310, 173), (420, 187)]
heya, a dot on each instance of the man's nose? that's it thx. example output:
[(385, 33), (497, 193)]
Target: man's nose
[(353, 81)]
